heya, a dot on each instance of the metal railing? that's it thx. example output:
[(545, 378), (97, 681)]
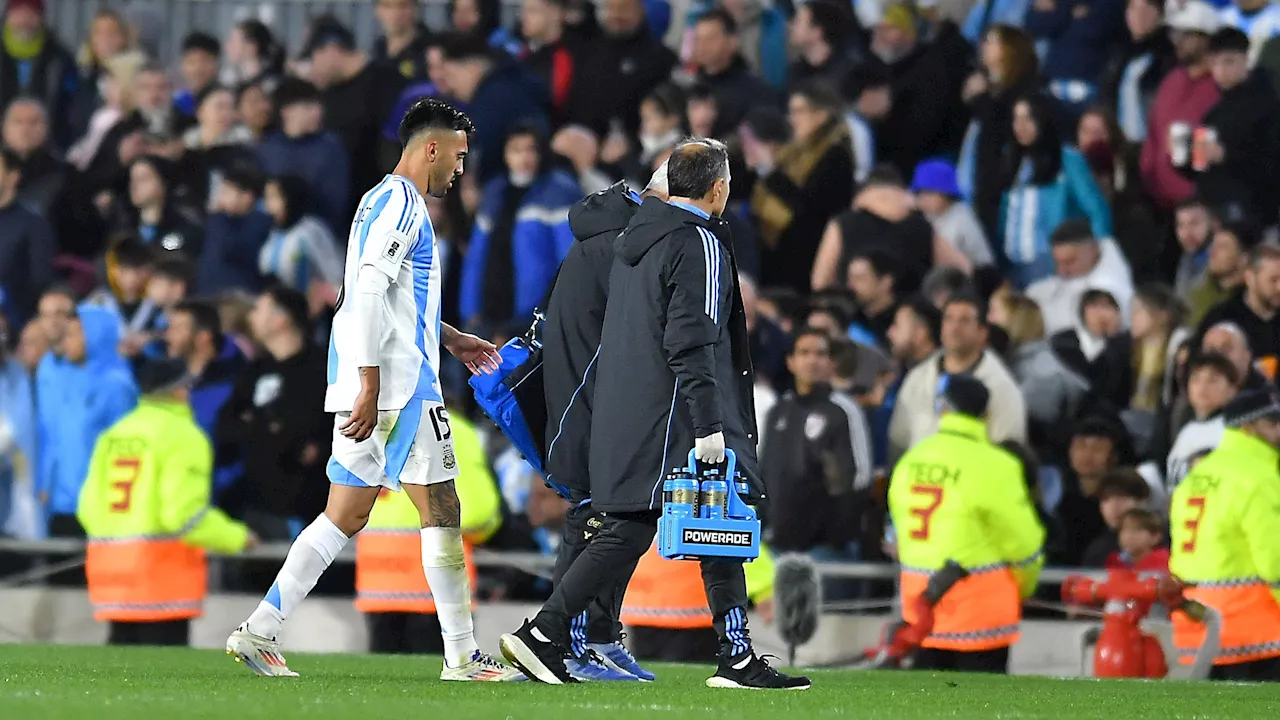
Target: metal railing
[(532, 563)]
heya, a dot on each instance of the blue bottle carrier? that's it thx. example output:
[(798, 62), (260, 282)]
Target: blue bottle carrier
[(703, 515)]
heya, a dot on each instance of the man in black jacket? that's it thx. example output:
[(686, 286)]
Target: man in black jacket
[(570, 344), (816, 460), (723, 69), (675, 320), (274, 421), (1243, 161), (626, 62)]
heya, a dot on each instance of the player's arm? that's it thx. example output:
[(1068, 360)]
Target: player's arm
[(694, 316), (1261, 518), (1013, 523), (386, 246), (479, 355)]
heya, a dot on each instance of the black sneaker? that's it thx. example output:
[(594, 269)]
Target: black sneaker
[(757, 674), (539, 660)]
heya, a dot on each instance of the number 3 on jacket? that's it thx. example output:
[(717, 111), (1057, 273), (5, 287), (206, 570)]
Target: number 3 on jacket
[(124, 473), (933, 493)]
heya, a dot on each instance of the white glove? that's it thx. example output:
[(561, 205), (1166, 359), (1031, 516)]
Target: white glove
[(709, 449)]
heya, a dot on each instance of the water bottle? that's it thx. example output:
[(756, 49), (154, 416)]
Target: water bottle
[(681, 494), (715, 495)]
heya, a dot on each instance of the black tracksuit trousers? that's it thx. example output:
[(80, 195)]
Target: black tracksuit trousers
[(609, 559), (599, 622)]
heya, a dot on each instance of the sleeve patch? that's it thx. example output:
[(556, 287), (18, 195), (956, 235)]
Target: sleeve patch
[(396, 248)]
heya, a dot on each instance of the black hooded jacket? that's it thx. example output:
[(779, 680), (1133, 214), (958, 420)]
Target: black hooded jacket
[(571, 333), (674, 362)]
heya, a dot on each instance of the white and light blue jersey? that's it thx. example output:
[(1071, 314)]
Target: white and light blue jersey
[(391, 234)]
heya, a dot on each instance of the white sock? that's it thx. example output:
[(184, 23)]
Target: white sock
[(445, 565), (316, 547)]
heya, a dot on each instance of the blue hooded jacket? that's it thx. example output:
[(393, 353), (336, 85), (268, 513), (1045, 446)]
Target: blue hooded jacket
[(76, 403), (540, 238)]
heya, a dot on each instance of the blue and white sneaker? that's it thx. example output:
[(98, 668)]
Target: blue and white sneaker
[(590, 668), (616, 656)]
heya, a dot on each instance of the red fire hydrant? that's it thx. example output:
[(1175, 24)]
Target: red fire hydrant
[(1123, 650)]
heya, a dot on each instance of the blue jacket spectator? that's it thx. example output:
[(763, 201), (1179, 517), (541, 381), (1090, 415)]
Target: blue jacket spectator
[(215, 361), (234, 234), (1078, 37), (303, 148), (17, 446), (1045, 184), (521, 235), (83, 388), (499, 96)]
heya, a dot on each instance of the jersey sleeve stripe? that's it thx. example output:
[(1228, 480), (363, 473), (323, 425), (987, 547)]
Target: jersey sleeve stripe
[(406, 212)]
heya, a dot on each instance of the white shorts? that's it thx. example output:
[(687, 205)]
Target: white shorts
[(412, 446)]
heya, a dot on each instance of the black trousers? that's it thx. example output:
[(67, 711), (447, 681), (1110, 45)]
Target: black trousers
[(611, 556), (65, 526), (978, 661), (1267, 670), (601, 624), (404, 633), (700, 645), (166, 632)]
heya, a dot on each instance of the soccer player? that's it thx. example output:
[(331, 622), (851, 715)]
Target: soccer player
[(391, 428)]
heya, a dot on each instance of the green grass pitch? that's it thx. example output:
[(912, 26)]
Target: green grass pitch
[(100, 683)]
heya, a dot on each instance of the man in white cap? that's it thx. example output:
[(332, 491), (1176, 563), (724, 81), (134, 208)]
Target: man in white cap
[(1181, 102)]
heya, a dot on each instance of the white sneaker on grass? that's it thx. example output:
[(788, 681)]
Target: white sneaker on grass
[(259, 654), (482, 668)]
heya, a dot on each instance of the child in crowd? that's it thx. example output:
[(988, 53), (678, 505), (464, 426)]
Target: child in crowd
[(1121, 490), (938, 196), (128, 273), (170, 281), (1141, 531)]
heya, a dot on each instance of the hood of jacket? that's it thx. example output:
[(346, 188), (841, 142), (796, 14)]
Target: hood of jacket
[(101, 337), (652, 222), (607, 211)]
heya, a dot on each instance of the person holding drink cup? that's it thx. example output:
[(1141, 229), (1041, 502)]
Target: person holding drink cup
[(1235, 150), (1184, 97)]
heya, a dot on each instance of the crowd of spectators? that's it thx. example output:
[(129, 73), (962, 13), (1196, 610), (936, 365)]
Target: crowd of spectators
[(1071, 200)]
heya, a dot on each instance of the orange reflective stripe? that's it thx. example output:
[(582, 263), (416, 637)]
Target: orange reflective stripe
[(981, 612), (666, 594), (1250, 621), (142, 579), (389, 575)]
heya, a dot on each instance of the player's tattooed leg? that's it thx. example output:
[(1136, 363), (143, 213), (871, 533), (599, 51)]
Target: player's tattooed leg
[(443, 508)]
